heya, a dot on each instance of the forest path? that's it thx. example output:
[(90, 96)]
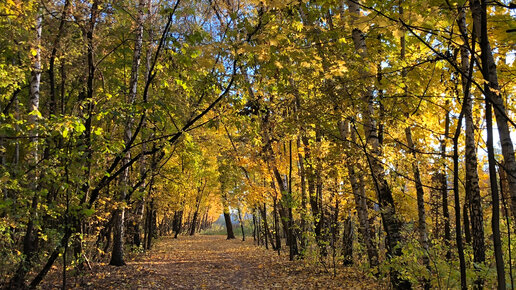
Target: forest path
[(212, 262)]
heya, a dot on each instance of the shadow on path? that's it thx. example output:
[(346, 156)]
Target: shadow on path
[(212, 262)]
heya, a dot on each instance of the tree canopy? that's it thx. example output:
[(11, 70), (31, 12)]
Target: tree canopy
[(373, 133)]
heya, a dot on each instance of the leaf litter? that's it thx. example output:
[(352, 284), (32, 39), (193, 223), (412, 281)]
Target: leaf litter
[(212, 262)]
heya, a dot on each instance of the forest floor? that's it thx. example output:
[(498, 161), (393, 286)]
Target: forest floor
[(212, 262)]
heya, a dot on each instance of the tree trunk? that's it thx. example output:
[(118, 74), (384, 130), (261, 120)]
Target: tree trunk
[(30, 240), (458, 230), (391, 223), (444, 187), (360, 200), (204, 220), (313, 192), (227, 218), (254, 227), (277, 234), (241, 223), (196, 212), (267, 233), (302, 175), (117, 256), (178, 217), (347, 241), (285, 202), (150, 225), (51, 63), (495, 218), (194, 223), (420, 194), (321, 234), (259, 228), (285, 215), (492, 94), (493, 98), (137, 234), (465, 218), (293, 250)]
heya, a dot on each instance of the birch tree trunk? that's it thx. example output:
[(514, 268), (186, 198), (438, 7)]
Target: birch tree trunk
[(143, 164), (117, 255), (30, 242), (472, 187), (391, 223), (443, 178)]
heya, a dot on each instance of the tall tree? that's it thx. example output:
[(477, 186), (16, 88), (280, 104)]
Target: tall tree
[(494, 100), (472, 188), (391, 223), (117, 255), (30, 240)]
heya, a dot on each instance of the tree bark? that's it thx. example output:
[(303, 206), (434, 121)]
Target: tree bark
[(320, 233), (178, 216), (360, 199), (254, 227), (117, 256), (493, 98), (150, 225), (302, 178), (456, 197), (196, 212), (472, 187), (420, 195), (227, 219), (51, 64), (30, 240), (313, 191), (267, 233), (495, 218), (259, 227), (241, 223), (391, 223), (277, 234), (444, 186), (347, 241)]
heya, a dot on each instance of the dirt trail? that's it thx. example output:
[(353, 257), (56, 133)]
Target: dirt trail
[(212, 262)]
